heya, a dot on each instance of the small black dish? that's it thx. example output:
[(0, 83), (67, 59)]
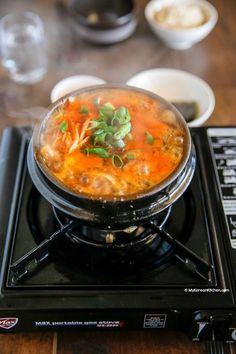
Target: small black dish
[(104, 21)]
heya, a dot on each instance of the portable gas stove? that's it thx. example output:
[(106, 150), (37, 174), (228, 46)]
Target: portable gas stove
[(175, 272)]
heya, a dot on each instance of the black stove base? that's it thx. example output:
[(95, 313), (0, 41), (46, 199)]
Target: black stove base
[(165, 253), (73, 286), (199, 325)]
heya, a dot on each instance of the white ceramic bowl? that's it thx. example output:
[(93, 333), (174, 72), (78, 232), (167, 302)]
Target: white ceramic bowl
[(182, 38), (73, 83), (178, 86)]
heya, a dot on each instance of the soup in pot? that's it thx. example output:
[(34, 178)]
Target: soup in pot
[(110, 143)]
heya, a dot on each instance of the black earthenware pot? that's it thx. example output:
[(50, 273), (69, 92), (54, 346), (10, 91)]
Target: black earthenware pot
[(119, 212)]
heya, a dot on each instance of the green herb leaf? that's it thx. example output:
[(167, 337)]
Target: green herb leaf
[(84, 110), (63, 126), (149, 138), (117, 161), (101, 152)]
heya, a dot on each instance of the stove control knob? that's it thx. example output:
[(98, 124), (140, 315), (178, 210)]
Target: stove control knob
[(210, 327), (200, 329), (220, 326), (233, 334)]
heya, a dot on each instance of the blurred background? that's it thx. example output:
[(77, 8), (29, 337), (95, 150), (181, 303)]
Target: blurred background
[(69, 54)]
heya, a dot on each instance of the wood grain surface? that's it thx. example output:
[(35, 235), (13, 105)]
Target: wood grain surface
[(213, 59)]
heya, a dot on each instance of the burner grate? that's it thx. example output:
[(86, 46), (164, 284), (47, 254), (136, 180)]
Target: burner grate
[(107, 239), (127, 252)]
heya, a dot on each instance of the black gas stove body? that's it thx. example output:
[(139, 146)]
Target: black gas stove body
[(175, 272)]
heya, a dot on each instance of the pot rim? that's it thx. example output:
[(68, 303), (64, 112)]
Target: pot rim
[(81, 196)]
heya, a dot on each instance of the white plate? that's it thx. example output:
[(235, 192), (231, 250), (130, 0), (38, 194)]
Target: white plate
[(73, 83), (176, 85)]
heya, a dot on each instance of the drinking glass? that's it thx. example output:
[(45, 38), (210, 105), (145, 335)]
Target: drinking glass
[(23, 47)]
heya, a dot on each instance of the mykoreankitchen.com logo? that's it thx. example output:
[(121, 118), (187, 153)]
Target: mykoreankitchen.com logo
[(206, 290), (8, 322)]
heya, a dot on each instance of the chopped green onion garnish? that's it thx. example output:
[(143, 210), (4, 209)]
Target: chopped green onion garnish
[(94, 124), (131, 156), (63, 126), (149, 138), (122, 115), (97, 101), (84, 110), (119, 143), (117, 161), (100, 138), (106, 112), (98, 131), (109, 130), (101, 152), (109, 105), (123, 130)]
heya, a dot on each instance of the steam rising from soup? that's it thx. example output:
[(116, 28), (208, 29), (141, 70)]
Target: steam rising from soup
[(109, 143)]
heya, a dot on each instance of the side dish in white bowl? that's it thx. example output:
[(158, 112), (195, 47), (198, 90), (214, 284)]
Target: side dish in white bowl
[(191, 95), (181, 23)]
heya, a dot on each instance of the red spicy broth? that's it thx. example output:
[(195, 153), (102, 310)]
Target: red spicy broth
[(110, 143)]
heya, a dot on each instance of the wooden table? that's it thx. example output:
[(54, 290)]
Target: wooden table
[(214, 60)]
